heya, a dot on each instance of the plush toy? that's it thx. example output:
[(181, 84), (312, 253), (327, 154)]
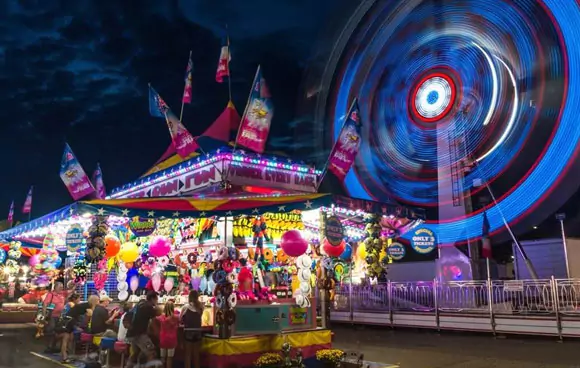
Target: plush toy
[(259, 228)]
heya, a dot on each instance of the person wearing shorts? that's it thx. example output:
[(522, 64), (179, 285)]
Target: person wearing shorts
[(70, 321), (137, 333), (191, 319), (168, 326)]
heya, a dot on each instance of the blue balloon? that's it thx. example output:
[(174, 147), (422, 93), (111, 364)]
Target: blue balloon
[(2, 256), (143, 280), (347, 254), (58, 262)]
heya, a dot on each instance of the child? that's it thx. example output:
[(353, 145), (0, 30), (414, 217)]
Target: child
[(168, 334)]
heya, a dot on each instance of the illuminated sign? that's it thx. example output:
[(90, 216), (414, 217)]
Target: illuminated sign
[(423, 241), (334, 231), (265, 176), (74, 238), (142, 226), (396, 251), (188, 182)]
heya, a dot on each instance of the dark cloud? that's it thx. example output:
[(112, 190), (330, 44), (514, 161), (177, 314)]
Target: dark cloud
[(77, 71)]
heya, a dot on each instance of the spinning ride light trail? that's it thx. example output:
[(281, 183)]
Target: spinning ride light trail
[(468, 69)]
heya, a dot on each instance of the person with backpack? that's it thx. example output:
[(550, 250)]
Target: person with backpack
[(191, 319), (122, 333), (70, 321), (137, 324)]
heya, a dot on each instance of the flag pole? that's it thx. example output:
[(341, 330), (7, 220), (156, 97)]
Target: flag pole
[(228, 63), (182, 102), (325, 169), (527, 261), (242, 119)]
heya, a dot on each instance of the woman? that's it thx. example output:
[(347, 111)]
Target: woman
[(191, 319), (70, 322), (168, 325)]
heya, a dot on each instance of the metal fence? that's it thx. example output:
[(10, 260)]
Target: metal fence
[(519, 297)]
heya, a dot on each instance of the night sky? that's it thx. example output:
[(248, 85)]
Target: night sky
[(77, 71)]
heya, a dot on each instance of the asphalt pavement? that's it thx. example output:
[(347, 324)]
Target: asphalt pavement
[(405, 348), (428, 349)]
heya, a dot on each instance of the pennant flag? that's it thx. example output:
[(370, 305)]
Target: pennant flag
[(223, 68), (485, 241), (183, 141), (27, 207), (98, 183), (255, 125), (73, 175), (347, 145), (188, 80), (11, 215)]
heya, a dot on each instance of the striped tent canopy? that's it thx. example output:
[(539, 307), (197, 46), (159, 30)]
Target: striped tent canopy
[(175, 207)]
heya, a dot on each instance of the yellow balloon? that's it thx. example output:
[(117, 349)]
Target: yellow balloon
[(129, 252), (361, 251)]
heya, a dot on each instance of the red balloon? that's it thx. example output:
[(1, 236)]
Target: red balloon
[(112, 246), (333, 250), (293, 244)]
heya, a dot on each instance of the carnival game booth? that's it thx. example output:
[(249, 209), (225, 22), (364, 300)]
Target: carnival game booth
[(124, 246)]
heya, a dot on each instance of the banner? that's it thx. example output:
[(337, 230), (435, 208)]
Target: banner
[(27, 207), (255, 125), (223, 68), (11, 215), (142, 226), (347, 145), (98, 183), (74, 238), (182, 139), (188, 82), (73, 176)]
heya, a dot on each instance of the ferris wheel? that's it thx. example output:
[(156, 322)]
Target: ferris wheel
[(498, 82)]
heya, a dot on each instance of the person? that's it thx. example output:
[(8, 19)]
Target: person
[(71, 321), (169, 323), (122, 333), (191, 319), (52, 308), (137, 335), (102, 321)]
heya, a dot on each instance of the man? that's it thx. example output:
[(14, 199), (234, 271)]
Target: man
[(101, 321), (137, 335)]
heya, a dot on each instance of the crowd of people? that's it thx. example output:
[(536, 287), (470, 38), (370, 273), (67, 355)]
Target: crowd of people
[(152, 332)]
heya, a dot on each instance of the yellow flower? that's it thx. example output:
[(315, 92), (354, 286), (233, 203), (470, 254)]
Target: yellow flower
[(333, 356), (268, 360)]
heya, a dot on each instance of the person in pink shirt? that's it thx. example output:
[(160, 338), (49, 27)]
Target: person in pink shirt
[(169, 324), (53, 306)]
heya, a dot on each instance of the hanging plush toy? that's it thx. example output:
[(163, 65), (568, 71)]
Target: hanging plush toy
[(96, 240), (259, 229)]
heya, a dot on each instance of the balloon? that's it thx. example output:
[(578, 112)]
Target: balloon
[(293, 244), (113, 246), (156, 281), (347, 254), (159, 246), (129, 252), (123, 295), (331, 250), (168, 285), (34, 260), (134, 283), (58, 262), (361, 251), (195, 283)]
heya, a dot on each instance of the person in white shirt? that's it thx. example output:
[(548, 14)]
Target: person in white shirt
[(122, 333)]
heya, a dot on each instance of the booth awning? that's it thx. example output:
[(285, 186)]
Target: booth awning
[(175, 207)]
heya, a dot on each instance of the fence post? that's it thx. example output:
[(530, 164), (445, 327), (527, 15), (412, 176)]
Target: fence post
[(350, 306), (556, 302), (490, 305), (436, 303), (390, 302)]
